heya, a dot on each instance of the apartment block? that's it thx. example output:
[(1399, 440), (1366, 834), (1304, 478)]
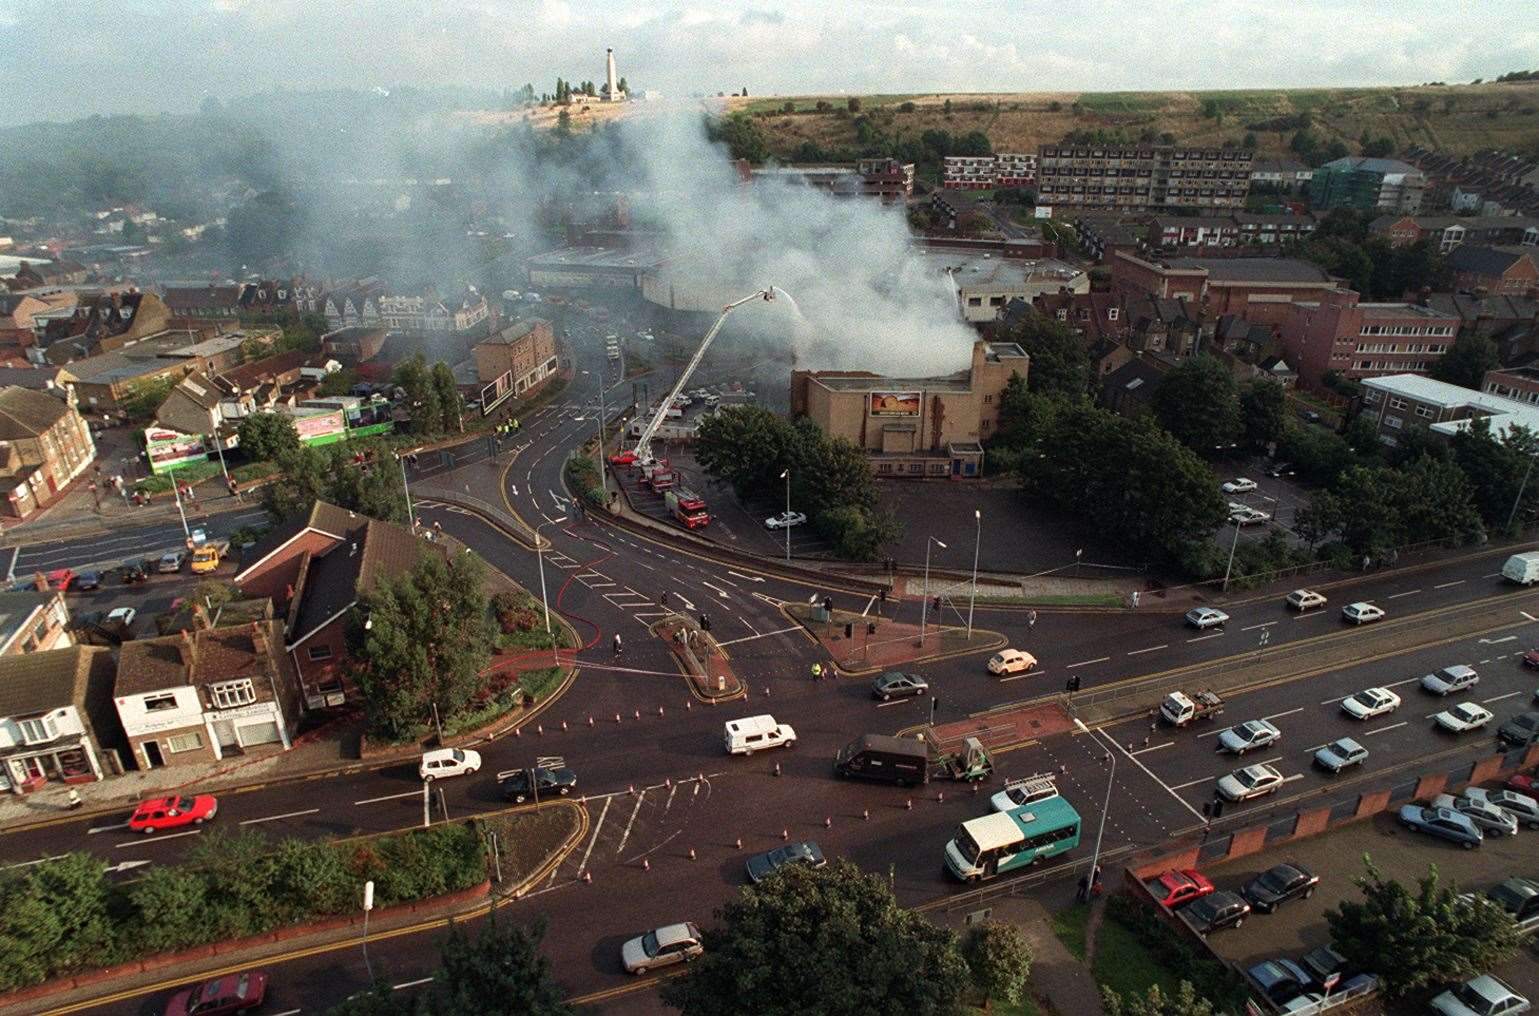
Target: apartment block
[(1142, 176)]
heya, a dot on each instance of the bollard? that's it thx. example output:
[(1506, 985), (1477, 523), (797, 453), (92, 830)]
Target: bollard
[(766, 691), (638, 714), (668, 781), (777, 768), (590, 719), (632, 790), (563, 725), (691, 853), (975, 789), (659, 710), (539, 728), (828, 822), (785, 834), (1063, 770), (518, 732), (646, 865), (688, 704), (617, 717), (700, 777), (940, 795), (866, 815), (587, 878), (740, 843)]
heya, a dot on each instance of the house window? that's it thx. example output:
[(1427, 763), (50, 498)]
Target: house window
[(38, 729), (1111, 313), (1393, 422), (1370, 397), (1423, 411), (160, 702), (184, 742), (988, 399), (1396, 403), (230, 694), (320, 652)]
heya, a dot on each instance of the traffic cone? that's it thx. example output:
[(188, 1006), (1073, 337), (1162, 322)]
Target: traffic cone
[(646, 865), (691, 853), (866, 815), (590, 719), (587, 878), (828, 822), (909, 804), (940, 795)]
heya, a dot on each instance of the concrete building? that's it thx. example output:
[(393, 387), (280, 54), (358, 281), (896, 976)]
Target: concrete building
[(1142, 176), (1363, 183), (914, 427), (1015, 169), (890, 181), (1361, 340), (56, 718), (1283, 173), (44, 445), (968, 172), (1258, 289), (985, 285), (1495, 271), (517, 358), (33, 622), (1398, 402)]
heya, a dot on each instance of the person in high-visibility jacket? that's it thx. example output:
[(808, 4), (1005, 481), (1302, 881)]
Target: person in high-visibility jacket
[(817, 671)]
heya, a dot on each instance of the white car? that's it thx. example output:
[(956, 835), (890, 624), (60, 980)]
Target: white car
[(1339, 754), (785, 520), (1480, 996), (1238, 485), (1462, 717), (1520, 806), (442, 762), (1248, 736), (1205, 617), (1303, 599), (673, 943), (1011, 661), (1252, 781), (1247, 516), (122, 615), (1450, 679), (1361, 612), (1370, 702)]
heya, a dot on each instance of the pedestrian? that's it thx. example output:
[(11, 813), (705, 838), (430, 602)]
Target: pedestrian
[(817, 671), (662, 599), (1084, 889), (619, 646), (73, 801), (1031, 619)]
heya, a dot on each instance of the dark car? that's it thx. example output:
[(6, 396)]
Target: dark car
[(1531, 658), (1518, 896), (133, 572), (517, 787), (900, 684), (1279, 979), (1271, 889), (231, 993), (86, 582), (762, 866), (1322, 963), (1520, 729), (1215, 911)]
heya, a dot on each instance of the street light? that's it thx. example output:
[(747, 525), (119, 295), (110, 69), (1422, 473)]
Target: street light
[(176, 492), (924, 606), (1233, 544), (786, 476), (973, 597), (1521, 488), (411, 515), (368, 905), (539, 553), (1095, 855)]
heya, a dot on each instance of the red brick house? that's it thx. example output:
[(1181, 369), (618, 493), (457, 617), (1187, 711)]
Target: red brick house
[(1257, 289), (1498, 271), (1359, 340)]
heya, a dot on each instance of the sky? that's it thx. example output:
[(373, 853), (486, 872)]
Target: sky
[(61, 59)]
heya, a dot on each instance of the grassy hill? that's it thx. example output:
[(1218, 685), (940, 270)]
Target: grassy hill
[(1452, 118)]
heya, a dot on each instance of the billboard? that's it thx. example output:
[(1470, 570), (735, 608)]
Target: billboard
[(895, 403), (1043, 212), (322, 427), (168, 449), (493, 394)]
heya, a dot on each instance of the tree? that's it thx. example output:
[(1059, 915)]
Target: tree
[(447, 393), (1263, 409), (140, 403), (999, 960), (1059, 363), (1197, 402), (1467, 360), (830, 939), (422, 400), (368, 488), (379, 1000), (499, 972), (1495, 471), (266, 436), (421, 640), (1415, 938), (1156, 1003), (853, 105), (305, 478)]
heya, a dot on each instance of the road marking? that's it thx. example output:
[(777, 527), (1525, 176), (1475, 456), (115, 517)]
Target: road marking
[(684, 599), (1445, 585), (1154, 747), (718, 590), (1497, 642), (410, 984), (745, 578), (156, 838), (869, 602), (762, 635), (275, 818), (634, 812), (1147, 771), (1086, 663), (1290, 712), (1255, 626), (108, 828), (1528, 615), (390, 797), (1492, 575), (583, 864), (1201, 638), (894, 702), (1024, 673), (1193, 783), (1408, 592), (40, 860), (1380, 730), (1135, 652), (1498, 698)]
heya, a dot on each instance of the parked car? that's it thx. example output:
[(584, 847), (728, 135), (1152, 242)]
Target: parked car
[(60, 578), (1323, 962), (442, 762), (661, 947), (1462, 717), (1450, 679), (785, 520), (1215, 911), (1523, 807), (1339, 754), (86, 581), (170, 563), (761, 866), (1523, 783), (1248, 736), (1444, 823), (1362, 612), (1518, 896), (1488, 818), (1277, 469), (518, 787), (1245, 515), (1011, 661), (1279, 980), (1205, 617), (1531, 658), (1520, 729), (159, 813), (221, 996), (1485, 995), (897, 683), (1370, 702), (133, 572), (1238, 485), (1252, 781), (198, 537), (1304, 599), (121, 615), (1174, 888), (1279, 884)]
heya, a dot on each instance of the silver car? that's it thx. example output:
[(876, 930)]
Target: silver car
[(1520, 806), (672, 943), (1339, 754), (1480, 996), (1248, 736), (1488, 818)]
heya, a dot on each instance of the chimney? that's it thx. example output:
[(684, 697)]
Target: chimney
[(611, 88)]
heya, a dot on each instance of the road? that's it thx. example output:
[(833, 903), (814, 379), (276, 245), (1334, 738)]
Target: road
[(128, 541)]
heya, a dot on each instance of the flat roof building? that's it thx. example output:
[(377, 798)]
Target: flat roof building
[(1401, 401)]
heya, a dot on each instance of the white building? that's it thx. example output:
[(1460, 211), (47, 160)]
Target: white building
[(55, 716), (985, 285)]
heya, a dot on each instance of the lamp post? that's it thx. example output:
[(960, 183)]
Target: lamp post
[(973, 596), (1521, 488), (786, 476), (539, 553), (368, 905), (924, 606), (411, 515), (176, 492), (1095, 855), (1232, 545)]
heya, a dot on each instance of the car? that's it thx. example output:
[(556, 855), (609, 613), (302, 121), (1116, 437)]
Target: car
[(1531, 658), (1518, 896), (1304, 599), (170, 563), (86, 581), (762, 866), (1238, 485), (1206, 617), (443, 762), (1247, 516), (1173, 889), (1370, 702), (133, 572), (60, 578), (895, 682), (1488, 818), (548, 780), (1011, 661), (1248, 736), (198, 537), (1252, 781), (121, 615), (785, 520), (1520, 729), (1278, 469), (1462, 717), (1019, 793), (1444, 823), (1480, 996), (1279, 980), (159, 813), (1339, 754), (1215, 911), (661, 947), (1323, 962), (1521, 806), (231, 993), (1450, 679), (1279, 884), (1362, 612), (1523, 783)]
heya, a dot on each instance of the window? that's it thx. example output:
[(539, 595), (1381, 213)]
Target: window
[(975, 301), (184, 742), (988, 399), (38, 729), (1111, 313), (160, 702), (320, 652), (1423, 411), (229, 694), (1392, 422), (1396, 403), (1370, 397)]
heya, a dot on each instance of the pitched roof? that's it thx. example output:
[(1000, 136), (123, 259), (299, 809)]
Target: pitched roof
[(25, 413), (184, 299), (324, 517), (201, 657), (1371, 165), (250, 375), (1137, 375), (335, 578), (153, 664), (38, 682), (1489, 261)]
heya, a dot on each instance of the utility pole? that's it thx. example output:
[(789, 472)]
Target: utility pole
[(410, 514), (603, 483), (1232, 545), (924, 605), (973, 598)]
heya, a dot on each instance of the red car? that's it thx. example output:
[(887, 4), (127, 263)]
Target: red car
[(60, 578), (1531, 658), (1177, 888), (1523, 784), (170, 812), (231, 993)]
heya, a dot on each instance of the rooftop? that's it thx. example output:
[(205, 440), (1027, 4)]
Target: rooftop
[(1388, 167), (38, 682), (26, 413), (1413, 311), (1276, 270), (1502, 413), (638, 257), (976, 271)]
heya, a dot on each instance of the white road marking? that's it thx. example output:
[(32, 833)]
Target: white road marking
[(634, 812), (869, 602), (156, 838), (1024, 673), (1528, 615), (39, 860), (747, 578), (1290, 712), (583, 864), (1192, 783), (1497, 642), (717, 589), (894, 702), (1493, 575), (1445, 585), (1380, 730), (391, 797), (684, 600), (1151, 649), (762, 635), (1147, 772), (275, 818), (1255, 626), (410, 984), (1086, 663), (1498, 698), (1408, 592), (108, 828), (1201, 638), (1154, 747)]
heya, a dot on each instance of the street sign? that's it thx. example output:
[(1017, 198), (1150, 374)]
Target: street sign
[(978, 916)]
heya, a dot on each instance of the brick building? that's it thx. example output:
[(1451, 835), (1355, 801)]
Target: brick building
[(523, 353), (1142, 176), (1258, 289), (1446, 232), (56, 718), (1399, 402), (1360, 340), (44, 445), (1520, 384), (1495, 271)]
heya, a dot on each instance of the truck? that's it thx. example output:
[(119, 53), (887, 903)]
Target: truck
[(971, 764), (1178, 709), (1522, 569), (206, 557), (688, 508), (660, 480)]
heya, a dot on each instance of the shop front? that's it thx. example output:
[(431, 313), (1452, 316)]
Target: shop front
[(68, 762)]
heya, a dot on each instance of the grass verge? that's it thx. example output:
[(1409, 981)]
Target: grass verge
[(1069, 925), (527, 839), (1025, 1007), (1135, 949)]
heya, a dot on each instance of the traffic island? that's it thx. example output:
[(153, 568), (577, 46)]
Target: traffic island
[(875, 643), (711, 678)]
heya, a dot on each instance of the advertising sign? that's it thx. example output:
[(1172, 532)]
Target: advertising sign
[(321, 428), (493, 394), (1043, 211), (895, 403), (168, 449)]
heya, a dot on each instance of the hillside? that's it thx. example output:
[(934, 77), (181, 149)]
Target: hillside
[(1452, 118)]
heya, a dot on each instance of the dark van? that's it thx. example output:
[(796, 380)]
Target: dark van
[(901, 760)]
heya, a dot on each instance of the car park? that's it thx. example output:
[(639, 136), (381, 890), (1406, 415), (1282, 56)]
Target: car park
[(1305, 599), (1488, 818), (1011, 661), (160, 813), (1215, 911), (220, 996), (1370, 702), (1463, 717), (1444, 823), (1520, 729), (1173, 889), (1205, 617), (86, 581), (1279, 884), (1279, 979), (762, 866), (1248, 736), (517, 786), (1339, 754), (121, 615), (1361, 613), (661, 947), (896, 683), (1238, 485), (1480, 996), (1252, 781), (1522, 807), (1450, 679), (785, 520), (444, 762), (170, 563)]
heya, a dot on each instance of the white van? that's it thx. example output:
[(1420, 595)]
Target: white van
[(755, 733), (1522, 569)]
